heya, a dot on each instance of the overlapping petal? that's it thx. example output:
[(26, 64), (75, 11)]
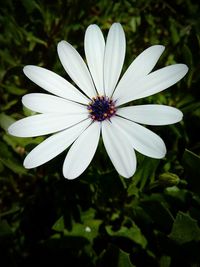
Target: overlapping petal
[(42, 124), (94, 45), (139, 68), (44, 103), (153, 83), (82, 152), (114, 57), (54, 83), (143, 140), (119, 149), (54, 145), (76, 68), (151, 114)]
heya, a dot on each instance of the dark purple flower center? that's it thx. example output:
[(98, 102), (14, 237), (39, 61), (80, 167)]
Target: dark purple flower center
[(101, 108)]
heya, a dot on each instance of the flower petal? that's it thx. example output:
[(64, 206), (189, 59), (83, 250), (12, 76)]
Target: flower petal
[(54, 145), (81, 152), (119, 149), (94, 50), (76, 68), (44, 103), (139, 68), (151, 114), (54, 83), (153, 83), (114, 57), (143, 140), (44, 124)]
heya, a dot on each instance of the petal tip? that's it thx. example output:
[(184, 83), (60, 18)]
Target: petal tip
[(160, 156), (129, 175), (60, 45), (160, 47), (180, 116), (26, 69), (70, 176), (23, 101), (182, 67), (157, 50), (116, 26), (30, 163), (92, 26), (27, 164), (186, 68), (10, 130), (164, 153)]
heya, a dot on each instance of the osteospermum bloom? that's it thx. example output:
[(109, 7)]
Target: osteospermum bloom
[(78, 117)]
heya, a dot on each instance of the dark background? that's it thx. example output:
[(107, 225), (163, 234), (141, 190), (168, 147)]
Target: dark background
[(100, 219)]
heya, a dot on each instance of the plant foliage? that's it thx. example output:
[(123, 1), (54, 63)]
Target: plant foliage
[(100, 219)]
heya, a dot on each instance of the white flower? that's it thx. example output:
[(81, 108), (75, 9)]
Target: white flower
[(79, 117)]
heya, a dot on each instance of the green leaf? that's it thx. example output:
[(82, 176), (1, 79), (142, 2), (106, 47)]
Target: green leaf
[(13, 90), (144, 174), (158, 210), (14, 141), (5, 229), (187, 54), (33, 40), (185, 229), (13, 165), (133, 233), (1, 167), (9, 105), (59, 225), (165, 261), (112, 256), (191, 162), (135, 22), (88, 229), (13, 210), (6, 158), (124, 259), (177, 194), (5, 121), (29, 5), (174, 31)]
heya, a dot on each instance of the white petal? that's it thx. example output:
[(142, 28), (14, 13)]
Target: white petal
[(153, 83), (44, 124), (143, 140), (54, 83), (82, 152), (139, 68), (151, 114), (114, 57), (44, 103), (94, 51), (119, 149), (54, 145), (76, 68)]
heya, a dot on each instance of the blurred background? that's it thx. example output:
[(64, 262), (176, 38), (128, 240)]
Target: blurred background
[(100, 219)]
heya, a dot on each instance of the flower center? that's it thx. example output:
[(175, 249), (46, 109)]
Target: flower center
[(101, 108)]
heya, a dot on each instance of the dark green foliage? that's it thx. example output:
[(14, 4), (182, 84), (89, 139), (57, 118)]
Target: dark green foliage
[(100, 219)]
